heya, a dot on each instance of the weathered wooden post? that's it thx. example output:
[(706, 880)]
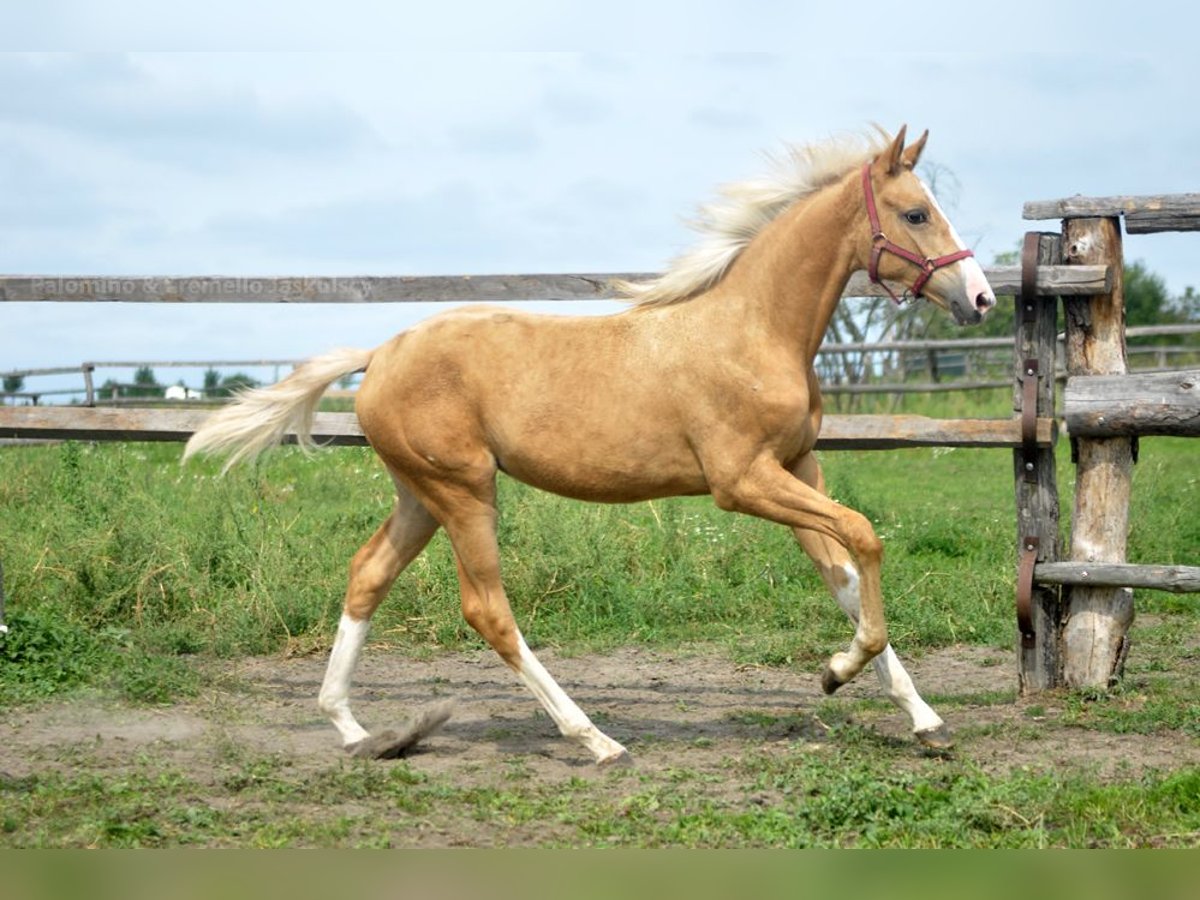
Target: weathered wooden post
[(1039, 607), (88, 369), (1098, 618)]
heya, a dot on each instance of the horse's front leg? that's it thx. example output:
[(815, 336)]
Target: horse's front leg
[(767, 490), (842, 578)]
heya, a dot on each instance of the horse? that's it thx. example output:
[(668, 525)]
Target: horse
[(704, 384)]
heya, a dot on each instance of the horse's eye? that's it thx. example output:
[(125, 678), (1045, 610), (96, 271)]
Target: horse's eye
[(916, 217)]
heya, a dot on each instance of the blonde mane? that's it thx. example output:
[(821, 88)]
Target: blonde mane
[(742, 210)]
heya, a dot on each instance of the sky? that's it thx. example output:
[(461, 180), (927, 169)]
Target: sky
[(581, 150)]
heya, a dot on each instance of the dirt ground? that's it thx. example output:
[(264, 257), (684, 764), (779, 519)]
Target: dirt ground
[(673, 711)]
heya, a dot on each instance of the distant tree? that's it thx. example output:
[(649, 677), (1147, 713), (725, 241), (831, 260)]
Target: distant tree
[(13, 383), (212, 381), (231, 384), (144, 384), (1146, 299), (1148, 303), (1188, 304)]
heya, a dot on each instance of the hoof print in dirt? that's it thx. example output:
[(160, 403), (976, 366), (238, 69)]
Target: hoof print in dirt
[(395, 744)]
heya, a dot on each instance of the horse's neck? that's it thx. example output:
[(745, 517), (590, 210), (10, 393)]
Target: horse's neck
[(791, 277)]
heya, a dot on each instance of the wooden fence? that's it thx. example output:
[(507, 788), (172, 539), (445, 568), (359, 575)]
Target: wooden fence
[(1060, 602), (1075, 601), (838, 432)]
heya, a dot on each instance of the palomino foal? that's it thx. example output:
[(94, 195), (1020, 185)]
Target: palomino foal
[(704, 386)]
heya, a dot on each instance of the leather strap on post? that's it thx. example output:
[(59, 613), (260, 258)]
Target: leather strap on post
[(1029, 263), (1029, 416), (1029, 367), (1029, 555)]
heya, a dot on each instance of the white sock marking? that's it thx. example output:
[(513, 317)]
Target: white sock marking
[(334, 698), (569, 718), (893, 677)]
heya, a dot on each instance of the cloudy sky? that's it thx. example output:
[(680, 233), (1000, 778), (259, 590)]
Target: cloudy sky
[(438, 162)]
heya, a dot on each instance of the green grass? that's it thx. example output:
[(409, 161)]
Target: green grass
[(121, 567), (115, 549), (116, 553), (798, 798)]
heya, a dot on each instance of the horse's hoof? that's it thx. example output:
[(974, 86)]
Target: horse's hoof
[(385, 745), (621, 760), (394, 744), (938, 738), (829, 681)]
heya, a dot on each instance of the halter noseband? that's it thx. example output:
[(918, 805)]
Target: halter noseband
[(927, 265)]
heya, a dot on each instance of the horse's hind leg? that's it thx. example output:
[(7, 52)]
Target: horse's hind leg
[(841, 576), (469, 517), (372, 572)]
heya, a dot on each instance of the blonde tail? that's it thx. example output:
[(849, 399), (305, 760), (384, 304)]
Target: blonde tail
[(260, 417)]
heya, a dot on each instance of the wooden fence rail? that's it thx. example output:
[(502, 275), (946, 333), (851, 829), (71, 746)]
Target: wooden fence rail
[(1005, 343), (857, 432), (1160, 403), (1143, 215), (860, 432), (1176, 579), (829, 347), (1060, 280)]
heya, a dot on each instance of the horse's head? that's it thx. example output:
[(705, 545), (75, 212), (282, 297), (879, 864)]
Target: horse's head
[(912, 242)]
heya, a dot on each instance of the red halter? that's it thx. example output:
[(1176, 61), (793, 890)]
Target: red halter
[(882, 245)]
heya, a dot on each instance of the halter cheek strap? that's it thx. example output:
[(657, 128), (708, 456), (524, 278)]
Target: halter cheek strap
[(881, 245)]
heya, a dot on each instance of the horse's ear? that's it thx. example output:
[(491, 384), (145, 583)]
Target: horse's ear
[(912, 153), (891, 157)]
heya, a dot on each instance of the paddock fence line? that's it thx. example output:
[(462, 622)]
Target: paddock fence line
[(956, 359), (838, 432)]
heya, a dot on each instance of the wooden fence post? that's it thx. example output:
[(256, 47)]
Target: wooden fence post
[(1039, 656), (89, 388), (1098, 618)]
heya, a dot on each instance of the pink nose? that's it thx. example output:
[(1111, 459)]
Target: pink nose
[(984, 301)]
